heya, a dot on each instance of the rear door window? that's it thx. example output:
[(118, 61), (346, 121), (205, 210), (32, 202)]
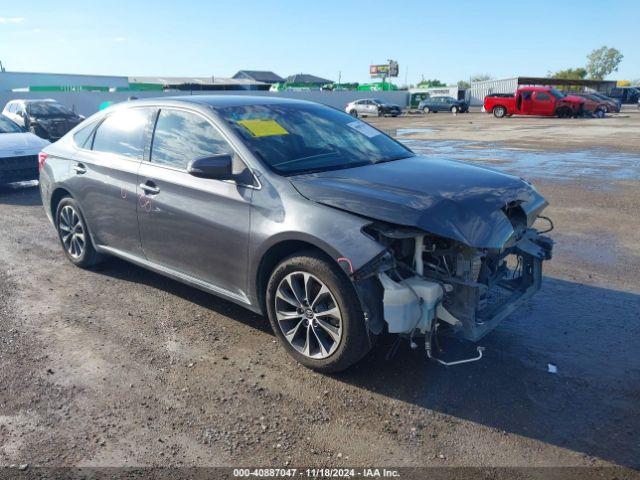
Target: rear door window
[(122, 133), (82, 138), (181, 137)]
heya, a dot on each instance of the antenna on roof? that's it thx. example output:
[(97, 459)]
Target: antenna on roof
[(2, 69)]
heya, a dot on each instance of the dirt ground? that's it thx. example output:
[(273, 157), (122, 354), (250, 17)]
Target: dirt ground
[(122, 367)]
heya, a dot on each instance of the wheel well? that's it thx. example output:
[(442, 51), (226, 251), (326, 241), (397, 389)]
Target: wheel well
[(56, 196), (498, 106), (273, 257)]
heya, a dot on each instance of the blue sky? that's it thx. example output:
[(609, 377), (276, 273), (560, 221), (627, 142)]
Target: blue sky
[(445, 40)]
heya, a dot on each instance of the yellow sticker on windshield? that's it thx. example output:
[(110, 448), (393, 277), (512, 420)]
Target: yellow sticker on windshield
[(263, 128)]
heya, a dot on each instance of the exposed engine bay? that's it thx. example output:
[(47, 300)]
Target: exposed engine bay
[(434, 285)]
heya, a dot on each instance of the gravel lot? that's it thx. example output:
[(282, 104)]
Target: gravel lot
[(122, 367)]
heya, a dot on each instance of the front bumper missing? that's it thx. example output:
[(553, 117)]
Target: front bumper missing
[(479, 307)]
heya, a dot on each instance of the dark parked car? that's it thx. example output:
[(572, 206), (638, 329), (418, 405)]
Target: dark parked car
[(46, 118), (301, 212), (612, 105), (443, 104), (626, 95)]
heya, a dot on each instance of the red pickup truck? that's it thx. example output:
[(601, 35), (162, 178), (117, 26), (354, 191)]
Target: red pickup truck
[(543, 101)]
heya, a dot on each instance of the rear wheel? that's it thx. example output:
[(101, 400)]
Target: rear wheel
[(499, 111), (354, 113), (454, 109), (314, 311), (74, 234)]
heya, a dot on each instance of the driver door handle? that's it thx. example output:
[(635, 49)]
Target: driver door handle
[(79, 168), (150, 188)]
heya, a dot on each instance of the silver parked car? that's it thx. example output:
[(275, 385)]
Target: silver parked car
[(372, 107), (300, 212)]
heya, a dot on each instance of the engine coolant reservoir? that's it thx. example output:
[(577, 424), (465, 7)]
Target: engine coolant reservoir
[(402, 310)]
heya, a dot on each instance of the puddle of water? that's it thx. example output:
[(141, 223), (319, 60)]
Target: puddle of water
[(401, 132), (595, 163)]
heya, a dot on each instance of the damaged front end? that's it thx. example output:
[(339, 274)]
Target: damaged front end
[(460, 248), (431, 284)]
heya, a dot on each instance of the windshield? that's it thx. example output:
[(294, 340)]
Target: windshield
[(47, 108), (7, 126), (293, 139), (557, 93)]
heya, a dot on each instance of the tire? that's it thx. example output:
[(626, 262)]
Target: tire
[(426, 110), (344, 336), (70, 221), (563, 112), (499, 111), (354, 113), (599, 113), (454, 109)]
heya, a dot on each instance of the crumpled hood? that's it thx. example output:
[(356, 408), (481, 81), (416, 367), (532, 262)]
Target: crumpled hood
[(452, 199), (28, 143)]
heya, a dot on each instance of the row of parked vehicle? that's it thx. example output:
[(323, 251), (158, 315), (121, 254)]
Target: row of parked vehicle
[(550, 102), (26, 127)]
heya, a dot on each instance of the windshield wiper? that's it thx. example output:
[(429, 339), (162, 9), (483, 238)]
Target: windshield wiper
[(326, 169), (393, 159)]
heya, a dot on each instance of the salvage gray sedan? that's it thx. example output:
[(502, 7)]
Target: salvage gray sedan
[(298, 211)]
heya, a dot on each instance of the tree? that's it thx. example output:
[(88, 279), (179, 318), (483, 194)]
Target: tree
[(571, 74), (462, 85), (603, 61), (431, 83), (480, 77)]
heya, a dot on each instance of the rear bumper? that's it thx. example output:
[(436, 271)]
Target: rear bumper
[(18, 169)]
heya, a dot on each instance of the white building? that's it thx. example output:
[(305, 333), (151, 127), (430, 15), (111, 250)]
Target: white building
[(26, 81)]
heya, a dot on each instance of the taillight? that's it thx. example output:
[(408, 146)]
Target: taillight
[(42, 158)]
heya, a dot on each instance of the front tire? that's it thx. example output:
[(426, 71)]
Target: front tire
[(499, 111), (426, 110), (314, 311), (74, 235)]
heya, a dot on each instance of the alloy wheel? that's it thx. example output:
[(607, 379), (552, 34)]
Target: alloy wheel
[(72, 231), (308, 315)]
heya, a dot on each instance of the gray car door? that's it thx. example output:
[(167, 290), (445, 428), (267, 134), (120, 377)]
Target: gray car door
[(193, 226), (104, 177)]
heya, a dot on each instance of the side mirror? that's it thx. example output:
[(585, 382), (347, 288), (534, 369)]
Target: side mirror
[(218, 167)]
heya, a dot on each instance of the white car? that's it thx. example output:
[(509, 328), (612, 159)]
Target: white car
[(18, 153), (372, 107)]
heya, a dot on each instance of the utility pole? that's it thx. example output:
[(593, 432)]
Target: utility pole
[(2, 69)]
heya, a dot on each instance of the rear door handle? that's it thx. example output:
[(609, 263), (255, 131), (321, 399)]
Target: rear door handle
[(79, 168), (150, 188)]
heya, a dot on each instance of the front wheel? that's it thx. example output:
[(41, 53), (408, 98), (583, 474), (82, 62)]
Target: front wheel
[(600, 113), (499, 111), (74, 235), (426, 110), (314, 311)]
